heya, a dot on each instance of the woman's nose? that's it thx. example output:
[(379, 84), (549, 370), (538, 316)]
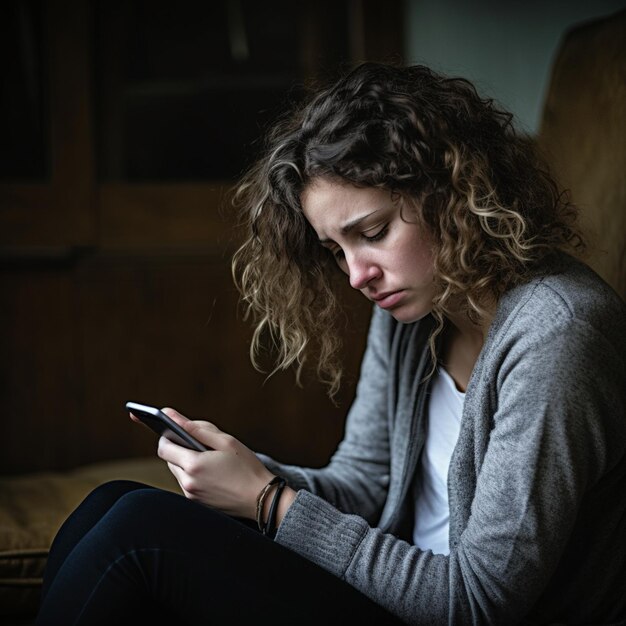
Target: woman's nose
[(361, 271)]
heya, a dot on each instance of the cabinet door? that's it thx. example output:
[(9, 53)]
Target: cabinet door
[(46, 159), (185, 91), (125, 122)]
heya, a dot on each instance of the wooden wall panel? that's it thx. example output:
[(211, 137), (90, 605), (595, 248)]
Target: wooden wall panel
[(80, 341), (39, 380)]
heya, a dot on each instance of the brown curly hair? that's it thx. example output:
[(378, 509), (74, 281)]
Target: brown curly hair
[(496, 214)]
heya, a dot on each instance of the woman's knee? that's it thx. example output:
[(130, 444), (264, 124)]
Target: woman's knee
[(147, 516), (115, 489), (142, 506), (98, 503), (106, 494)]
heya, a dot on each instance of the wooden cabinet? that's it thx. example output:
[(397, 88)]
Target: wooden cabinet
[(47, 208), (115, 237)]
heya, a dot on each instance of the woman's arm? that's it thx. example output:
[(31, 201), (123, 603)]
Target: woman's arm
[(357, 476)]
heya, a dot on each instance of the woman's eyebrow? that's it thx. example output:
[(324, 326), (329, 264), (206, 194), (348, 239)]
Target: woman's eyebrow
[(348, 226)]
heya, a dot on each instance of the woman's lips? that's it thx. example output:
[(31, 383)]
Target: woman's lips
[(389, 300)]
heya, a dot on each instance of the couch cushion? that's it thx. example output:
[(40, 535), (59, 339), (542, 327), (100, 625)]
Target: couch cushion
[(582, 132), (33, 507)]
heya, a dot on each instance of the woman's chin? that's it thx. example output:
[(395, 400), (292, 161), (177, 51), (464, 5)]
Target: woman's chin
[(405, 315)]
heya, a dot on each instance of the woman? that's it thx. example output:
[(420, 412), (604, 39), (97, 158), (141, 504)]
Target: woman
[(482, 475)]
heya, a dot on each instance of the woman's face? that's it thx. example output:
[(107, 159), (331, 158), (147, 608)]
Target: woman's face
[(387, 258)]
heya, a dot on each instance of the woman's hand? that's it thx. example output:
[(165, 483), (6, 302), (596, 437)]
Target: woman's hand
[(229, 477)]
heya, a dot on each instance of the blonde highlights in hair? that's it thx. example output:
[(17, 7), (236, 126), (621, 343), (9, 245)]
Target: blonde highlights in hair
[(494, 212)]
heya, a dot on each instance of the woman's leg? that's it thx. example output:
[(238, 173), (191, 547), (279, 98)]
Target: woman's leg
[(158, 552), (86, 515)]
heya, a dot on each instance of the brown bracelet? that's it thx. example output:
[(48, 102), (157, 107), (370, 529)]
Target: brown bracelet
[(260, 502)]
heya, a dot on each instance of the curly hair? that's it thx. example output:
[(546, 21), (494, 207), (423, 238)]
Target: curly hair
[(496, 215)]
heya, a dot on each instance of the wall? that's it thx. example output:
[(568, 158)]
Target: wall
[(506, 48)]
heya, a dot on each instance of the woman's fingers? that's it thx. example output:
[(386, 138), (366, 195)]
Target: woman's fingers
[(173, 453), (179, 418), (205, 432)]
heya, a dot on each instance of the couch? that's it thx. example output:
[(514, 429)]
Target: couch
[(583, 133)]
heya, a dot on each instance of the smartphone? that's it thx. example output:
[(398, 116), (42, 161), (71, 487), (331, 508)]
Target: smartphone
[(161, 424)]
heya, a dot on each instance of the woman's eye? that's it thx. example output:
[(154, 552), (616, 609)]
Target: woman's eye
[(379, 235), (338, 254)]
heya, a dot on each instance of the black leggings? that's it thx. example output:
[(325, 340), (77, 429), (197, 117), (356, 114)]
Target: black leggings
[(136, 554)]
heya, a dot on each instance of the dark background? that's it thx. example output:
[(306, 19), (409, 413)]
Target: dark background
[(123, 125)]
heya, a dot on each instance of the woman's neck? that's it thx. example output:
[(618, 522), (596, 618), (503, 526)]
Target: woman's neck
[(461, 344)]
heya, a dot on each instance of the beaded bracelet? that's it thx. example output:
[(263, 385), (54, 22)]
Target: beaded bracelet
[(260, 501), (270, 527)]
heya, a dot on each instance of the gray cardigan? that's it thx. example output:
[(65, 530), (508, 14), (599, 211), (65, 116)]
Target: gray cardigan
[(537, 481)]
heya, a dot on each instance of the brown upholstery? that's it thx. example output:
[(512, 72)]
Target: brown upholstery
[(583, 132)]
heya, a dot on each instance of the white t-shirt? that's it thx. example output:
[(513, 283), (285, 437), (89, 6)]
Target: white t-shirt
[(432, 513)]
